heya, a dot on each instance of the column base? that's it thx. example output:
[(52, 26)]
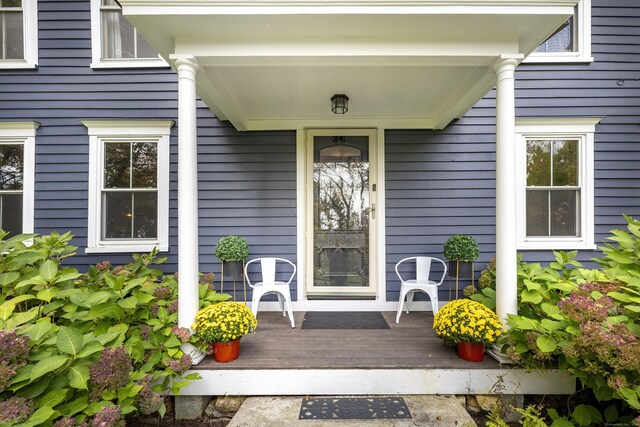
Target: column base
[(196, 355), (499, 356)]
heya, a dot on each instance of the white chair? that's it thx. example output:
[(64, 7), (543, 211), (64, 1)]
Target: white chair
[(269, 285), (421, 282)]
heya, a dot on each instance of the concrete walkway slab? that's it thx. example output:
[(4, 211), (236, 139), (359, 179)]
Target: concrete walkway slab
[(426, 411)]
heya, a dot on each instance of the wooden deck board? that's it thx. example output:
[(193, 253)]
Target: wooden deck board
[(410, 344)]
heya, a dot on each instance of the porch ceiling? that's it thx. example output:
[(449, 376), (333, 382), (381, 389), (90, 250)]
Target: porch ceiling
[(403, 63)]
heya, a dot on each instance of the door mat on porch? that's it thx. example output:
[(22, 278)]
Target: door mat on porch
[(351, 408), (344, 320)]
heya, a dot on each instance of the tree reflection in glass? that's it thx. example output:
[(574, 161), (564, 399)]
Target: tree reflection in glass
[(130, 190), (341, 211), (553, 192)]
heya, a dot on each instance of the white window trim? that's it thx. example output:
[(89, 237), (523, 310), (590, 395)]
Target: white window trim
[(582, 129), (29, 36), (96, 48), (24, 133), (582, 20), (100, 130)]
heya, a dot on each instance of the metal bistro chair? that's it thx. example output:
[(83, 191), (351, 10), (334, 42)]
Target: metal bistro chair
[(269, 285), (421, 282)]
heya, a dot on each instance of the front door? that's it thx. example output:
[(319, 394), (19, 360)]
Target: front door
[(341, 205)]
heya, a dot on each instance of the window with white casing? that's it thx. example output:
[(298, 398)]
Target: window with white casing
[(555, 208), (569, 43), (18, 33), (115, 43), (128, 186), (17, 159)]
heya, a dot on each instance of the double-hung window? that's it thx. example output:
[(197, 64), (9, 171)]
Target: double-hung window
[(17, 141), (18, 33), (569, 43), (117, 43), (128, 186), (555, 175)]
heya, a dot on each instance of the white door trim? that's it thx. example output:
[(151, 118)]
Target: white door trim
[(378, 252)]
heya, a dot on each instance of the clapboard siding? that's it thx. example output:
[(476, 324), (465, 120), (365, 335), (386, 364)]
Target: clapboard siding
[(438, 183), (247, 180), (443, 183)]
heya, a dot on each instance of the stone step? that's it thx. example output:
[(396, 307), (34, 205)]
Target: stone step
[(426, 411)]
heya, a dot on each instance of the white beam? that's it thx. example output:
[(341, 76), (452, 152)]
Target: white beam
[(188, 268), (506, 255)]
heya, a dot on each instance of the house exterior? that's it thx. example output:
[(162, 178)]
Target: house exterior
[(516, 122)]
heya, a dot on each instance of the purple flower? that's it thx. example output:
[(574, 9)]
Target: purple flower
[(162, 292), (581, 308), (15, 409), (69, 422), (111, 371), (207, 279), (149, 401), (104, 265), (181, 365), (154, 309), (183, 334), (173, 307), (6, 373), (14, 349), (109, 416), (145, 331)]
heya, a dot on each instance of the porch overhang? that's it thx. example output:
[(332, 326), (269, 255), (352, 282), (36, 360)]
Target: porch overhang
[(266, 65)]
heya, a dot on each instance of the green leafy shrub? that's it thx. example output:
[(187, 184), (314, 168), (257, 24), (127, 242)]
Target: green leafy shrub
[(232, 248), (487, 283), (461, 247), (96, 346), (586, 321)]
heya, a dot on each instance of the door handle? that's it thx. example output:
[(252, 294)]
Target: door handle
[(373, 211)]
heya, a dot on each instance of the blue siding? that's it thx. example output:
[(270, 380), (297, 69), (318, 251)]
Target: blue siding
[(247, 180), (438, 182), (441, 183)]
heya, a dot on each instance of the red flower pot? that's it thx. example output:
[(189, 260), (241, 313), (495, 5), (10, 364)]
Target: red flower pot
[(471, 351), (225, 351)]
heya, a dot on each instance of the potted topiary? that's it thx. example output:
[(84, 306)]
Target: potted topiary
[(461, 250), (232, 250)]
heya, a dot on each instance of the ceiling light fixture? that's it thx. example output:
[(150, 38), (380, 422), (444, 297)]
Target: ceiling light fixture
[(339, 103)]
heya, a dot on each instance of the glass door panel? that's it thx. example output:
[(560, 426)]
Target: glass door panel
[(341, 211)]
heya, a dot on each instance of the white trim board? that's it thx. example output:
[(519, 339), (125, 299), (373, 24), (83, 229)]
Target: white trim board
[(303, 382)]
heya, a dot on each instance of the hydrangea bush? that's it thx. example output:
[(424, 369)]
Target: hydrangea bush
[(586, 321), (464, 320), (87, 349)]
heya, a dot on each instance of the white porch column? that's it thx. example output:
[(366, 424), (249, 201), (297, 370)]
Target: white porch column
[(506, 255), (188, 267)]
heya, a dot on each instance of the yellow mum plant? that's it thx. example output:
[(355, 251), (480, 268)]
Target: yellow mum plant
[(223, 322), (466, 320)]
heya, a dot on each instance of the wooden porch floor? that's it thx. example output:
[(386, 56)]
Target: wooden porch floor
[(408, 358), (410, 344)]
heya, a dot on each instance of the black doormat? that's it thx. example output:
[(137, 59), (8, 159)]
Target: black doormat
[(351, 408), (344, 320)]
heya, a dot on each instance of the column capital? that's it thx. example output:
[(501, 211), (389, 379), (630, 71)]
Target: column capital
[(507, 62), (185, 62)]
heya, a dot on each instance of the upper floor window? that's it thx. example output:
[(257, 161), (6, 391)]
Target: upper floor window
[(115, 42), (128, 186), (555, 175), (16, 176), (18, 33), (569, 43)]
